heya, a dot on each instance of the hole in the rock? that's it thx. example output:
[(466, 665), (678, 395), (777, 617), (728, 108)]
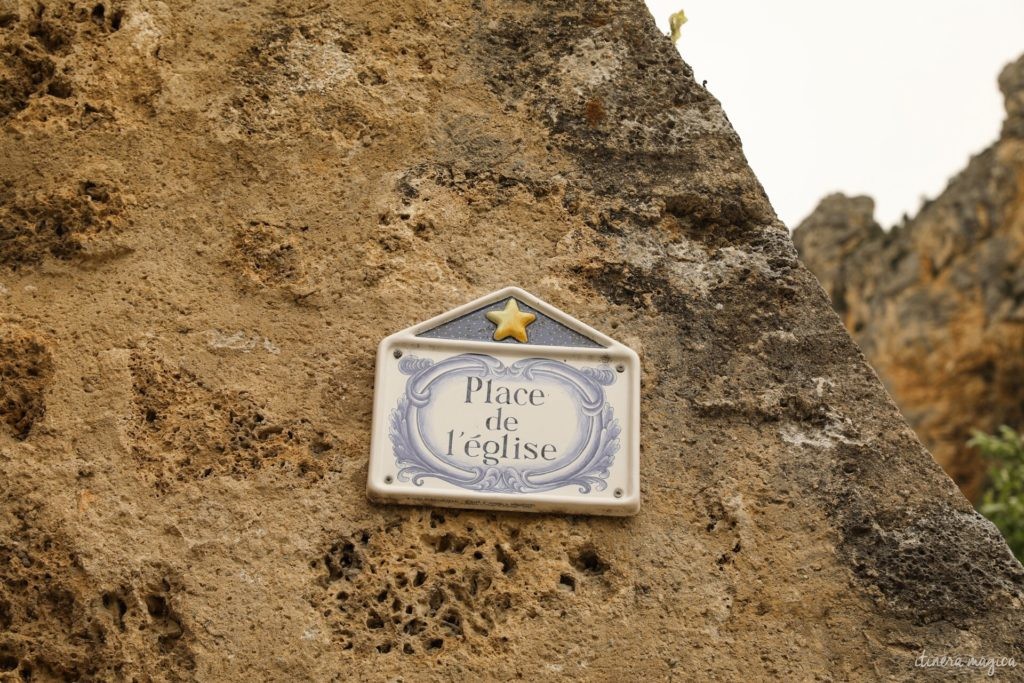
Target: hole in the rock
[(342, 560), (98, 13), (8, 662), (436, 599), (320, 446), (590, 562), (420, 577), (382, 596), (374, 621), (384, 648), (415, 627), (407, 649), (59, 88), (453, 622), (567, 581), (116, 604), (156, 605), (435, 644), (450, 543), (506, 560), (115, 20), (49, 35)]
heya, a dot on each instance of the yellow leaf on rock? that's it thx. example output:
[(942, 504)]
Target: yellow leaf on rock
[(675, 23)]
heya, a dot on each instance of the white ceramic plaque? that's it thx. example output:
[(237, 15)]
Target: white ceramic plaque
[(507, 403)]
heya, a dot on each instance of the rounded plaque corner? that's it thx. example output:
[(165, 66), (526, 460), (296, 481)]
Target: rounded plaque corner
[(388, 342), (516, 291), (632, 357), (630, 505), (376, 490)]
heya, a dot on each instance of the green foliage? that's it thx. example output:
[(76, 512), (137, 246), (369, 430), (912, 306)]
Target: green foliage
[(1003, 501)]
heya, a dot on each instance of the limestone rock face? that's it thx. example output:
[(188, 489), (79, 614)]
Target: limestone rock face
[(212, 212), (937, 304)]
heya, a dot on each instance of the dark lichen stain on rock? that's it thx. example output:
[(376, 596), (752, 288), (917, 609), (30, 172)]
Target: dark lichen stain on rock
[(908, 558)]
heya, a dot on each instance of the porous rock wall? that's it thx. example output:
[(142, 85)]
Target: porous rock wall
[(213, 211)]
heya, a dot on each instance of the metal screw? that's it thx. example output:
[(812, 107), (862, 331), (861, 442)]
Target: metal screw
[(620, 368), (398, 353), (618, 493)]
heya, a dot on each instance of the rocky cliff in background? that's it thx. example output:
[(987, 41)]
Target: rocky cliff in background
[(937, 304), (211, 214)]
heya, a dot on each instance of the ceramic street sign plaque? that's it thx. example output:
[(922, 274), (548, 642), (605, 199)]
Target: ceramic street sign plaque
[(507, 403)]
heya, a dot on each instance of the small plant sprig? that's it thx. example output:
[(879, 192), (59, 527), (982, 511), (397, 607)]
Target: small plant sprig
[(1003, 500), (675, 23)]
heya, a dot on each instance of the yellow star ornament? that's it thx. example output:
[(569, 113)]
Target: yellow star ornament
[(511, 322)]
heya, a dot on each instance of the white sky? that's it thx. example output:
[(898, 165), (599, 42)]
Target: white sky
[(881, 97)]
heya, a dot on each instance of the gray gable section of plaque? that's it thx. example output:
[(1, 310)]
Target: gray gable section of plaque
[(544, 330)]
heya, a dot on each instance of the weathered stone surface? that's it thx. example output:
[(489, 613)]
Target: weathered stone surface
[(937, 304), (295, 180)]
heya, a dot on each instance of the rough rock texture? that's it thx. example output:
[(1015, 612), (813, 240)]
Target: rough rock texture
[(937, 304), (212, 213)]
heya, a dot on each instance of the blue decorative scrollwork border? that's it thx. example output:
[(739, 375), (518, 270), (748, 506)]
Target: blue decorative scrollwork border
[(588, 469)]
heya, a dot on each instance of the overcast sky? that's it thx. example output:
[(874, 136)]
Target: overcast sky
[(885, 98)]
